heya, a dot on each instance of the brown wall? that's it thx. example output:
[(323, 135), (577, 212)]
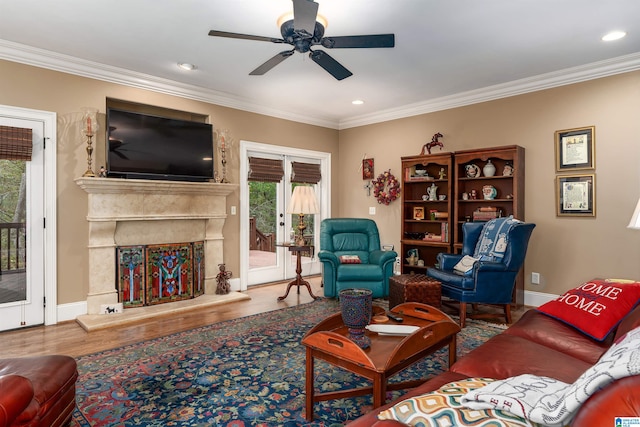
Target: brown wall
[(563, 250), (30, 87)]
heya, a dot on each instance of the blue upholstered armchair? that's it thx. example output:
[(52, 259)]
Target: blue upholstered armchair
[(349, 237), (492, 278)]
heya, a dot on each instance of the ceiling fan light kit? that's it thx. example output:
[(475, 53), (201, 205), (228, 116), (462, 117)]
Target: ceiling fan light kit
[(304, 31)]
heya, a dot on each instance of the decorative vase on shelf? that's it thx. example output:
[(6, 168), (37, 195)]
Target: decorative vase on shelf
[(432, 192), (489, 169), (356, 306)]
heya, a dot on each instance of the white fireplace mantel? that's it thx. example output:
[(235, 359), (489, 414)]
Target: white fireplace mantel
[(140, 212)]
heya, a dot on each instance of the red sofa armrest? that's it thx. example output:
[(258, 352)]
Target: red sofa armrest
[(16, 393), (618, 399)]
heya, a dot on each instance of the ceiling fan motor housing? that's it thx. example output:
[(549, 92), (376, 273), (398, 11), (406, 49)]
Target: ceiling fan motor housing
[(300, 39)]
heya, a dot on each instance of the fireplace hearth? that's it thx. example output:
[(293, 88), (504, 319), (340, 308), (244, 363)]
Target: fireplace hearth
[(129, 212)]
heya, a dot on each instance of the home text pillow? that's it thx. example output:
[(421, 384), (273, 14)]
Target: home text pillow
[(595, 308), (465, 265), (349, 259), (442, 407), (493, 240)]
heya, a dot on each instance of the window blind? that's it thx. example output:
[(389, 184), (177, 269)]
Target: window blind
[(305, 173), (265, 170), (15, 143)]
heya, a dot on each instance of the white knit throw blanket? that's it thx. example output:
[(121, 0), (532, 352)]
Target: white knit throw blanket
[(551, 402)]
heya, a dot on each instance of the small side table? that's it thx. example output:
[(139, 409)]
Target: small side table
[(298, 281)]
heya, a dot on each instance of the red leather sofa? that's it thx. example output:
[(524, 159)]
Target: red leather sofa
[(37, 391), (540, 345)]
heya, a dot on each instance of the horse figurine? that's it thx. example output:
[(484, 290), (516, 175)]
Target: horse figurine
[(426, 149)]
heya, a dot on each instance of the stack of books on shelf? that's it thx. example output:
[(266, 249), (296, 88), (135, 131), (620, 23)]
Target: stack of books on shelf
[(487, 213), (444, 232)]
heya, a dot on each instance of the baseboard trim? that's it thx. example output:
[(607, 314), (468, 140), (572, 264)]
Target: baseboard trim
[(536, 299), (71, 310)]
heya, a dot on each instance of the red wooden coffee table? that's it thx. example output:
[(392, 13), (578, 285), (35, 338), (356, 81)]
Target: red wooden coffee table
[(388, 354)]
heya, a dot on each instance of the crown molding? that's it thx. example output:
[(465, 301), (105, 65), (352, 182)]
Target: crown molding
[(595, 70), (41, 58), (29, 55)]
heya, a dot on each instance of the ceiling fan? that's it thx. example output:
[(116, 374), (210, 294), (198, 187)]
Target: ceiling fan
[(302, 32)]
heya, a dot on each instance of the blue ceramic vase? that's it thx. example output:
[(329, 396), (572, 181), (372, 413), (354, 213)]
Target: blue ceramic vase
[(355, 306)]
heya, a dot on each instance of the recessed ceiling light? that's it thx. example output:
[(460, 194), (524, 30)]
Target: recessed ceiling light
[(187, 66), (613, 35), (357, 102)]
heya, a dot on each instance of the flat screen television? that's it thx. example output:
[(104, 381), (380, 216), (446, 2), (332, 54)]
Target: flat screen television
[(151, 147)]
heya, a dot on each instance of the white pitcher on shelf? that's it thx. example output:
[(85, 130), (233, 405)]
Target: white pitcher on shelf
[(432, 191)]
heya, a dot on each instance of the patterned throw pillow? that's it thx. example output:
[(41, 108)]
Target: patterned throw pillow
[(596, 307), (350, 259), (442, 407), (493, 240)]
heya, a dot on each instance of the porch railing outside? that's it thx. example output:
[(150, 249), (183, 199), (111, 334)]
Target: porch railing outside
[(13, 242), (260, 241)]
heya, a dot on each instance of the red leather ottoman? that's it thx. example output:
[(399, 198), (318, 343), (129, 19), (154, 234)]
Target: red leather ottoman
[(53, 380), (414, 288)]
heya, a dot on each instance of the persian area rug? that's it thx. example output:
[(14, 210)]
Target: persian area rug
[(243, 372)]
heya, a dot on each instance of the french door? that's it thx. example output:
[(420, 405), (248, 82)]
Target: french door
[(22, 288), (266, 223)]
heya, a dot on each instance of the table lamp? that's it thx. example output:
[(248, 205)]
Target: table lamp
[(303, 202), (635, 219)]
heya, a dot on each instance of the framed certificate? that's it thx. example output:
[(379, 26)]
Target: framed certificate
[(575, 149), (575, 195)]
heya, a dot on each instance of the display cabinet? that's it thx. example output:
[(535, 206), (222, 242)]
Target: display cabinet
[(426, 210), (489, 183)]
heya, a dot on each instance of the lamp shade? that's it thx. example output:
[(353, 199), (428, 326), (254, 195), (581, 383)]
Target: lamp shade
[(635, 219), (303, 201)]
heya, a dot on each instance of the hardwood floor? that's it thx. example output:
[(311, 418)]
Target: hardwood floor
[(69, 338)]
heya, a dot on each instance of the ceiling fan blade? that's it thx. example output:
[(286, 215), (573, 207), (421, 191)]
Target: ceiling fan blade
[(331, 65), (271, 63), (304, 15), (216, 33), (374, 40)]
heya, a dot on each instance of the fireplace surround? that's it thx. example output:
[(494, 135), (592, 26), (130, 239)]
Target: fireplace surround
[(125, 212)]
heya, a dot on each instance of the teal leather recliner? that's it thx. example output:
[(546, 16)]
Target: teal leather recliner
[(354, 236)]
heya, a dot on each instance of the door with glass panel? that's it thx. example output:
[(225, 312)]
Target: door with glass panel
[(21, 223), (271, 179)]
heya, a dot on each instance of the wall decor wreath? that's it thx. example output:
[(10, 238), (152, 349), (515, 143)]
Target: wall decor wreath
[(386, 188)]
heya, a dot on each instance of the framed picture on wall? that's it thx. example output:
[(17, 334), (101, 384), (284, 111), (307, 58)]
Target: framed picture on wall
[(367, 168), (575, 195), (575, 149)]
